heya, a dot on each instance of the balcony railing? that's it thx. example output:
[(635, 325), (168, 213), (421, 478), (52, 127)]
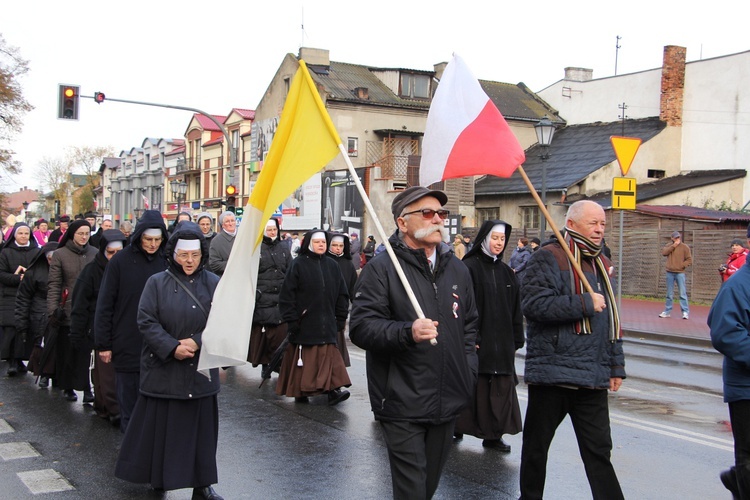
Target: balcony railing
[(188, 165)]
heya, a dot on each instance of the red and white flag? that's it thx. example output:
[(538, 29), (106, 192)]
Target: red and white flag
[(146, 204), (465, 133)]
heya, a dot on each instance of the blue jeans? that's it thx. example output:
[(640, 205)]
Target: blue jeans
[(680, 278)]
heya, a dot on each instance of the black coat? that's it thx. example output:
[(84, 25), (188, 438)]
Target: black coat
[(167, 314), (275, 258), (12, 256), (409, 381), (314, 299), (31, 300), (115, 326), (348, 269), (498, 296)]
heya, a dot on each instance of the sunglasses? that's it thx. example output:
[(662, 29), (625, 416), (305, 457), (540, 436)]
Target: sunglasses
[(428, 213)]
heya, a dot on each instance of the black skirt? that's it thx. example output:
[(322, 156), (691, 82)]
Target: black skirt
[(171, 443), (494, 410)]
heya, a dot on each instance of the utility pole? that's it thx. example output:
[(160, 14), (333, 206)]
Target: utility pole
[(623, 117), (617, 51)]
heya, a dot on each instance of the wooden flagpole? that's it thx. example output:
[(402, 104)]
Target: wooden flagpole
[(552, 225)]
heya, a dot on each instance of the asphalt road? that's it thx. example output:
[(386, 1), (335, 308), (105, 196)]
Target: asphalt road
[(669, 428)]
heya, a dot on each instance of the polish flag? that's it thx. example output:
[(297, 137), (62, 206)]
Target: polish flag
[(465, 133), (146, 204)]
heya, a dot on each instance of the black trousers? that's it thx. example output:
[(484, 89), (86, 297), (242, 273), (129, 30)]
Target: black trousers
[(589, 413), (739, 415), (128, 388), (417, 453)]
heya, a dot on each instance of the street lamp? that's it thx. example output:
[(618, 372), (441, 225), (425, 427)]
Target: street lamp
[(179, 188), (545, 130), (25, 213)]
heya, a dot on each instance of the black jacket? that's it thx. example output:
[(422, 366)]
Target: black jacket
[(86, 292), (31, 300), (555, 354), (115, 327), (12, 256), (275, 258), (409, 381), (498, 297), (166, 315), (344, 261), (314, 300)]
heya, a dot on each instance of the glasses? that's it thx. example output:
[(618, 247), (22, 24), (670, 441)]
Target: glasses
[(428, 213)]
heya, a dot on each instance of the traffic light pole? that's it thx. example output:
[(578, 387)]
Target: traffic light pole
[(232, 159)]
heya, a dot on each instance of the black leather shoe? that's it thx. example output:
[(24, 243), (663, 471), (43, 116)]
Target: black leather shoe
[(88, 397), (43, 382), (114, 420), (302, 399), (21, 367), (729, 480), (336, 396), (70, 395), (12, 370), (458, 436), (206, 492), (497, 444)]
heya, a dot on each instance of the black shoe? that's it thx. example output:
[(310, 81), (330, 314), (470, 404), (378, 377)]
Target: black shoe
[(21, 367), (301, 399), (336, 396), (458, 436), (206, 492), (70, 395), (729, 480), (497, 444), (12, 370), (43, 382), (88, 397), (114, 420)]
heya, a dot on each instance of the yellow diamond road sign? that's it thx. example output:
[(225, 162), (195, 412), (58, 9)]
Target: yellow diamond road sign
[(623, 193), (625, 150)]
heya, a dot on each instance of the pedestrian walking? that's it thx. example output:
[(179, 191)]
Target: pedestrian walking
[(314, 303), (494, 409), (679, 259), (417, 389), (172, 440), (573, 353)]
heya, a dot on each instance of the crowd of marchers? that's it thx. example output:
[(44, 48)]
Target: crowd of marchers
[(118, 316)]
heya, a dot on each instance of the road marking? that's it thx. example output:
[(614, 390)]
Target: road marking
[(5, 427), (44, 481), (13, 451)]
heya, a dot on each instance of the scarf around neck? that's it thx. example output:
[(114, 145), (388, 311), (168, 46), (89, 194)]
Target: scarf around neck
[(581, 247)]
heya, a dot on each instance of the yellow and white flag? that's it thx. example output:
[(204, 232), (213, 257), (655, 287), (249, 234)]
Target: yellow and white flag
[(305, 141)]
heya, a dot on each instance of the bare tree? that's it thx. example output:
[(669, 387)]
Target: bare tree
[(54, 173), (13, 106), (87, 159)]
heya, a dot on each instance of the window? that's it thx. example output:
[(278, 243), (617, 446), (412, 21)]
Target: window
[(530, 217), (656, 174), (197, 185), (415, 86), (352, 146), (485, 214), (214, 185)]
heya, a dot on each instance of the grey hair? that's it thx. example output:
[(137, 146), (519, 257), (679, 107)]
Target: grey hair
[(575, 211), (126, 226), (222, 215)]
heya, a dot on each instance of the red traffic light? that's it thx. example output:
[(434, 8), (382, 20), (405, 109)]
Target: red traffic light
[(99, 97), (231, 190)]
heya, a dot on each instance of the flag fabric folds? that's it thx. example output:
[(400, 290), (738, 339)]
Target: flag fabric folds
[(146, 204), (304, 142), (465, 133)]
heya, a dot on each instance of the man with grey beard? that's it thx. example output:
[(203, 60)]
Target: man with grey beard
[(417, 389)]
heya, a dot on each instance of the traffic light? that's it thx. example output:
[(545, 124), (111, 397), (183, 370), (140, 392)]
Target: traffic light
[(239, 211), (67, 102), (231, 199), (99, 97)]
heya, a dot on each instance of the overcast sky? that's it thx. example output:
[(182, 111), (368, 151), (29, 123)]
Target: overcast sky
[(218, 55)]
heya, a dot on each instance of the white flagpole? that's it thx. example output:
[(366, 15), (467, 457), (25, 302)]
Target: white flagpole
[(384, 237)]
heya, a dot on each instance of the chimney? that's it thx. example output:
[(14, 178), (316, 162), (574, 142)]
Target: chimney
[(362, 93), (578, 74), (439, 68), (318, 57), (672, 85)]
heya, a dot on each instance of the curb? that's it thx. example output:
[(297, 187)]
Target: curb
[(673, 340)]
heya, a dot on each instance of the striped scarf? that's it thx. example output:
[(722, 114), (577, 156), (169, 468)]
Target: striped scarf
[(580, 247)]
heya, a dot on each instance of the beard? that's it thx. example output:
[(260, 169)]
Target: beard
[(424, 233)]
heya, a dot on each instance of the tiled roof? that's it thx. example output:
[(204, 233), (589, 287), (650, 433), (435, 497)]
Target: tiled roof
[(576, 152), (247, 114), (216, 140), (518, 102), (207, 124), (674, 184)]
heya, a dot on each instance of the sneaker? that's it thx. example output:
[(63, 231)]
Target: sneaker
[(685, 316), (665, 314)]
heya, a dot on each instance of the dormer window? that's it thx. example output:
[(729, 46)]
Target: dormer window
[(415, 86)]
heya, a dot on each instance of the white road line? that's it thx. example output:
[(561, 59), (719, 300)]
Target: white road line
[(13, 451), (5, 427), (44, 481)]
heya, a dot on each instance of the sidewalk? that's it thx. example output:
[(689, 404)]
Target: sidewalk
[(640, 320)]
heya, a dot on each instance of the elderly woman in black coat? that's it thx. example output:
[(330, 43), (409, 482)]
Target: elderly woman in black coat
[(172, 436), (314, 302), (494, 410), (17, 253), (31, 308), (339, 251)]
